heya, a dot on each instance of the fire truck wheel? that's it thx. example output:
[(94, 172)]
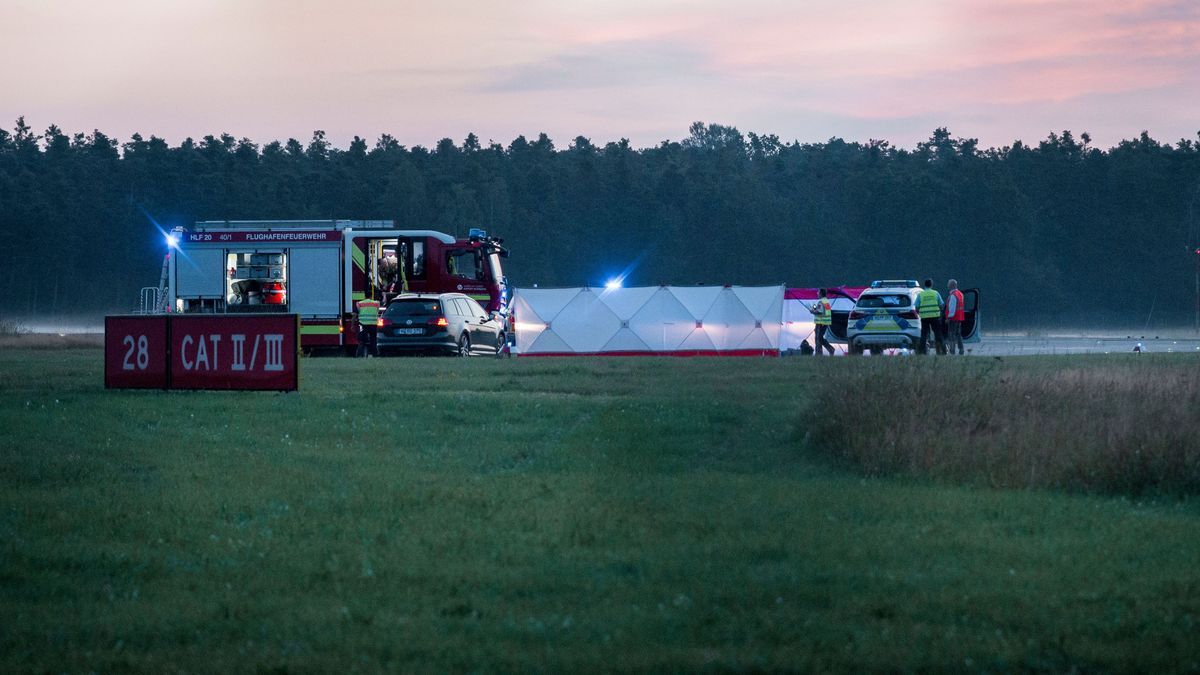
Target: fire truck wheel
[(464, 345)]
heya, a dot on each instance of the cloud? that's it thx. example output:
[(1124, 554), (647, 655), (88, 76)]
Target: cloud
[(617, 64), (642, 69)]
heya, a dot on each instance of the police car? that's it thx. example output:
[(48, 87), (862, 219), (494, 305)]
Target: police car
[(885, 317)]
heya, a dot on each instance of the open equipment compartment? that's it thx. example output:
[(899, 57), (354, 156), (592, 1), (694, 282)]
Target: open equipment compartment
[(257, 280)]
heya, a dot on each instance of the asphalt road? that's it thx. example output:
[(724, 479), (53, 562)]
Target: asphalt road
[(1014, 346), (1008, 345)]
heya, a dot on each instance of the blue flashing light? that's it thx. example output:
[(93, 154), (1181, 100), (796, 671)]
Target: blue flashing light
[(613, 284), (172, 240)]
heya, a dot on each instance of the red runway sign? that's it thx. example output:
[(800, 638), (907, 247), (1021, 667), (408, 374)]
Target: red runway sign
[(135, 352), (234, 352), (209, 351)]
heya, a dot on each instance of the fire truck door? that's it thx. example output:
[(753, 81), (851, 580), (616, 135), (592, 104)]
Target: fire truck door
[(202, 276), (385, 272), (970, 327), (314, 284)]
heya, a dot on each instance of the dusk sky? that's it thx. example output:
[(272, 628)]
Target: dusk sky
[(997, 70)]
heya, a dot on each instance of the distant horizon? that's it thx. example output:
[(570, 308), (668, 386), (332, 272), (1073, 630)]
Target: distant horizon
[(564, 142)]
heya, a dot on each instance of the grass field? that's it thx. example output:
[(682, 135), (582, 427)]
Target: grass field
[(1124, 426), (550, 515)]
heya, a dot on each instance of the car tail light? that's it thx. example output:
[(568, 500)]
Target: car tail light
[(911, 314), (383, 322), (855, 314), (441, 322)]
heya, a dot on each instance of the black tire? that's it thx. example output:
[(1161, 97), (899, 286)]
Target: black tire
[(876, 351), (464, 346), (855, 350)]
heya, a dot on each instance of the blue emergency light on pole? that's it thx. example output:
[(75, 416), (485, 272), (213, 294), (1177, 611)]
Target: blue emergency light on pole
[(160, 300)]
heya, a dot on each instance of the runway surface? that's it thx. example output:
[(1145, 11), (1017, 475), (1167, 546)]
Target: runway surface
[(1015, 346), (990, 345), (1021, 345)]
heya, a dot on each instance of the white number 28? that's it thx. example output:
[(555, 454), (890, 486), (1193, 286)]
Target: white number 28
[(140, 348)]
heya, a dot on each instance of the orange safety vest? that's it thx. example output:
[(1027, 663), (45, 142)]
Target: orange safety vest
[(958, 314)]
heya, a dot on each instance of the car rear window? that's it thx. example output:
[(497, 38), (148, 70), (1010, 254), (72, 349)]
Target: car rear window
[(883, 301), (414, 308)]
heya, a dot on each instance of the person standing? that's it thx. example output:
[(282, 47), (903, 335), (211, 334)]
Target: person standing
[(822, 312), (929, 308), (954, 318), (368, 328)]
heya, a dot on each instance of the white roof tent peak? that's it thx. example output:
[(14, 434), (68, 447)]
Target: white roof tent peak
[(384, 227)]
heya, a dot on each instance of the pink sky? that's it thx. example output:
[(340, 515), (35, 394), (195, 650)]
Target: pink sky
[(997, 70)]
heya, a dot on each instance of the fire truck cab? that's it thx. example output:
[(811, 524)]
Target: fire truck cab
[(319, 269)]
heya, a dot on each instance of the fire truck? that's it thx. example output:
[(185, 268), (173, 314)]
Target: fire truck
[(319, 269)]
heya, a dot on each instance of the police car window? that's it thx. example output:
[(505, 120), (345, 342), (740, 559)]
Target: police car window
[(883, 301)]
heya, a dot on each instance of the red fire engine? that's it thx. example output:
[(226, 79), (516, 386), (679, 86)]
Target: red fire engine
[(318, 269)]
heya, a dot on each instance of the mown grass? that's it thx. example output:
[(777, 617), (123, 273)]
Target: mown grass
[(1123, 425), (543, 515)]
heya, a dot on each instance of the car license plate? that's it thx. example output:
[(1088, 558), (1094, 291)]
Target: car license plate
[(409, 331)]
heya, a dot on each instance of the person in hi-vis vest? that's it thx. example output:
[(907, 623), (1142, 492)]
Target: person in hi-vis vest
[(368, 328), (954, 318), (822, 313), (929, 308)]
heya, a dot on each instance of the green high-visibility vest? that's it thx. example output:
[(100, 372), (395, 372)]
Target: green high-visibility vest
[(368, 312), (824, 314), (927, 304)]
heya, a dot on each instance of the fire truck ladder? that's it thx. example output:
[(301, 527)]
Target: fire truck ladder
[(154, 300)]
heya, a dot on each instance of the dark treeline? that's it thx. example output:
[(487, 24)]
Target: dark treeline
[(1054, 233)]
